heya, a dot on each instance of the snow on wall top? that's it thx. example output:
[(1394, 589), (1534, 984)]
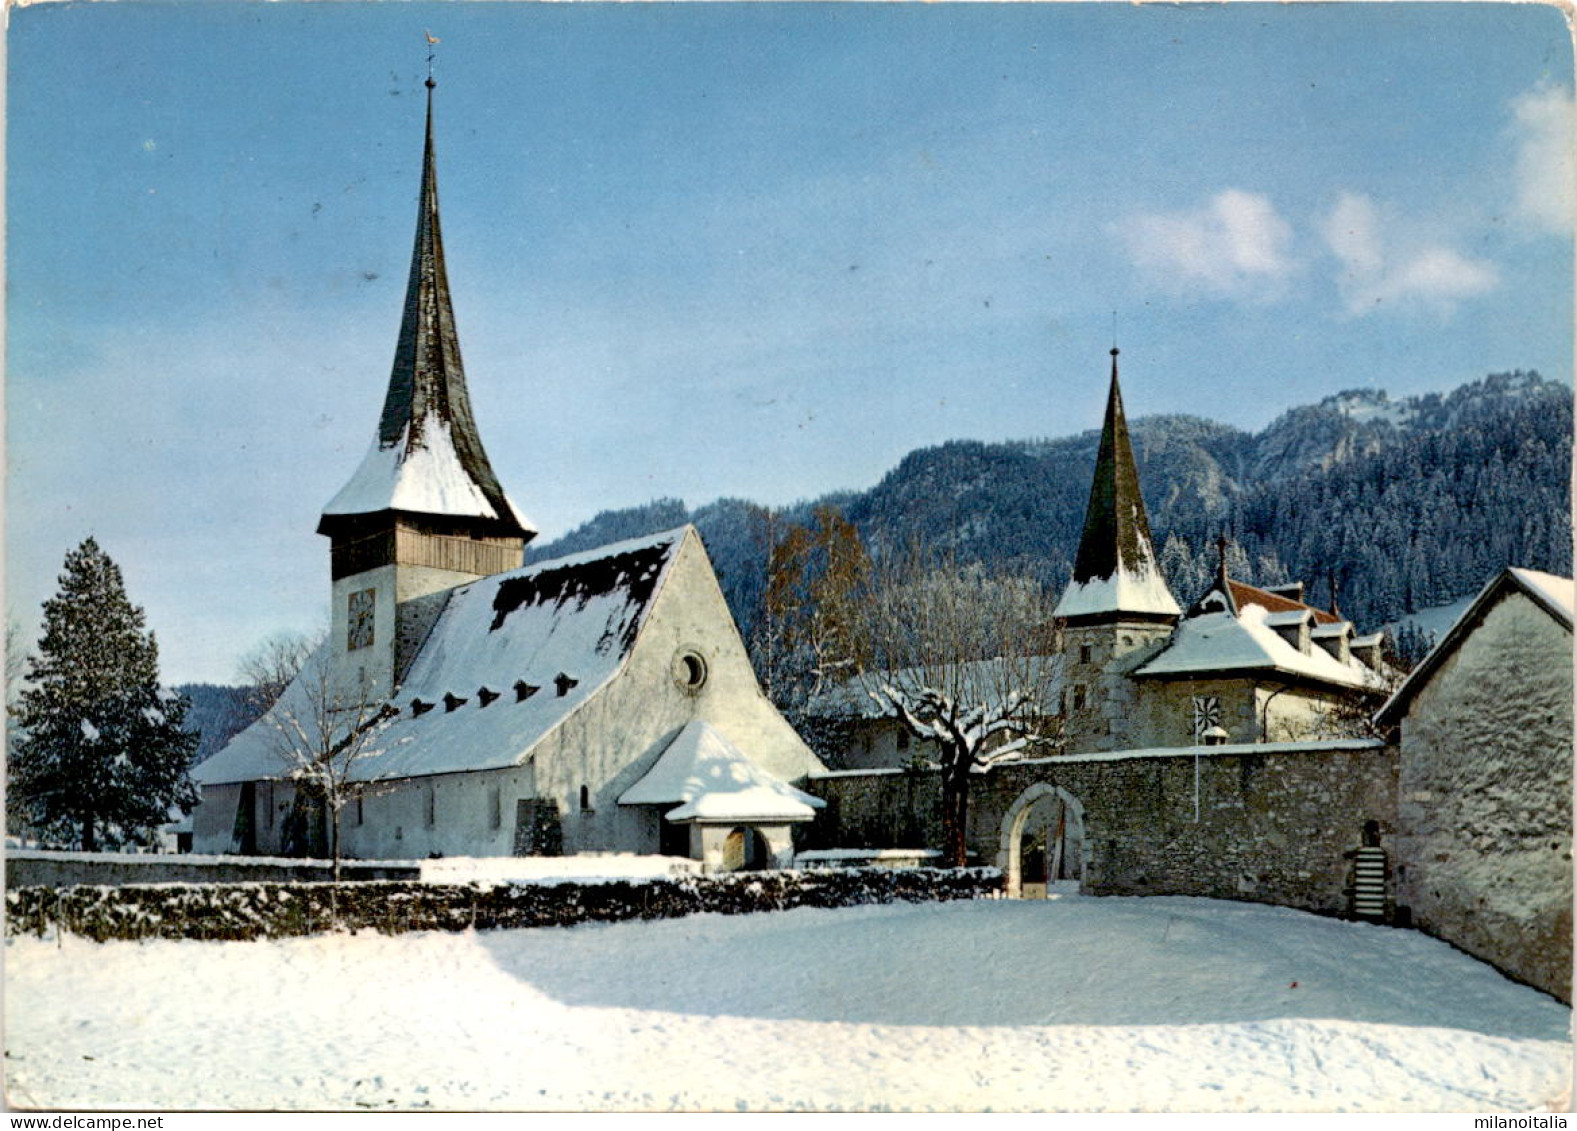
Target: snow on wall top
[(1554, 594), (516, 654), (716, 782), (1558, 594), (425, 477), (1218, 642)]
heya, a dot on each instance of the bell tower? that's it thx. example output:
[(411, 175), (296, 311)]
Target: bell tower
[(1117, 606), (424, 512)]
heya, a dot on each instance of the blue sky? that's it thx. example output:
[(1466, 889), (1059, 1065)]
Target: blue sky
[(701, 250)]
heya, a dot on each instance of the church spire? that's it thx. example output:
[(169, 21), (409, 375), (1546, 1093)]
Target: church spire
[(428, 458), (1115, 575)]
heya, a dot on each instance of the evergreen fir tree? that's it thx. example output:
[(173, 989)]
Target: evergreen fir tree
[(102, 752)]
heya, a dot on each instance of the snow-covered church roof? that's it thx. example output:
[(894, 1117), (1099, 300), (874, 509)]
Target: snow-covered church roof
[(1116, 572), (510, 657), (708, 778)]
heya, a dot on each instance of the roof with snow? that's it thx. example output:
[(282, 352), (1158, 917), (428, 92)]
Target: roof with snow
[(1115, 572), (428, 457), (1215, 639), (710, 779), (510, 657), (1272, 601), (1557, 596)]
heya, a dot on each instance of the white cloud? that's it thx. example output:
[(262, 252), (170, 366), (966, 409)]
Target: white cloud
[(1236, 246), (1382, 267), (1543, 131)]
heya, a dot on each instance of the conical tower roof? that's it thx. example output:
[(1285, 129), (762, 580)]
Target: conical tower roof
[(1116, 574), (428, 458)]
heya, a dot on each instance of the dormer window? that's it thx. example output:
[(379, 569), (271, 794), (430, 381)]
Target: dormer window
[(1335, 639), (453, 702), (418, 708), (485, 695), (1293, 627), (564, 682), (524, 690), (1366, 649)]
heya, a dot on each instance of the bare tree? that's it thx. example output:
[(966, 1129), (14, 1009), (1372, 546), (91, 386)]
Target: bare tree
[(324, 730), (968, 661), (806, 638), (268, 669)]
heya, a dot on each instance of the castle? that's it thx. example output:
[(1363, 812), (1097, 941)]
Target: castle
[(467, 704)]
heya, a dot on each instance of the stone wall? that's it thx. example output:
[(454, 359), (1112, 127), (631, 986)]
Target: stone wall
[(1275, 822), (1486, 796)]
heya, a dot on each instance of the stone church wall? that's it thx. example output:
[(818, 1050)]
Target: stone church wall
[(612, 740), (1275, 824), (1486, 797)]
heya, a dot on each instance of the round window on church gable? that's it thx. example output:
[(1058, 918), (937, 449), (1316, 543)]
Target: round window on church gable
[(689, 670)]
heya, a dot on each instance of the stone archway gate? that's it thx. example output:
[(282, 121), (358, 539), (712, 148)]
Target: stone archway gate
[(1275, 820)]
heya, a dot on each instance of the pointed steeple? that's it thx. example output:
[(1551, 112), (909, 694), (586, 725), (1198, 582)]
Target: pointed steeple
[(428, 458), (1115, 575)]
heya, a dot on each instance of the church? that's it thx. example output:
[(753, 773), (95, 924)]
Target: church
[(467, 704)]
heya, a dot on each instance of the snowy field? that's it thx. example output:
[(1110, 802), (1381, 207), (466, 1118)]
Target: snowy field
[(1078, 1003)]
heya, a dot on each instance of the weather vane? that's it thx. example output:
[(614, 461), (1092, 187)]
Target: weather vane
[(432, 41)]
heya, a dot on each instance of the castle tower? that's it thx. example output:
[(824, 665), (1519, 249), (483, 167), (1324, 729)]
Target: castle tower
[(1117, 607), (424, 511)]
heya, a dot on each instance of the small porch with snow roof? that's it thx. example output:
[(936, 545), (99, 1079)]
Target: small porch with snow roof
[(718, 806)]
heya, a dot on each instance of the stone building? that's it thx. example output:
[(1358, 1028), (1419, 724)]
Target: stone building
[(1483, 847), (601, 702), (1242, 665)]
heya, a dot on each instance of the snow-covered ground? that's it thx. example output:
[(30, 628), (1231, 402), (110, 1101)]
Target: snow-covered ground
[(1077, 1003)]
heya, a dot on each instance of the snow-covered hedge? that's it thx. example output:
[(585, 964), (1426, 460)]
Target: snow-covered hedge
[(253, 911)]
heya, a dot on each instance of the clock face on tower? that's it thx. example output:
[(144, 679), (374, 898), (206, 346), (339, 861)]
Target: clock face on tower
[(358, 619)]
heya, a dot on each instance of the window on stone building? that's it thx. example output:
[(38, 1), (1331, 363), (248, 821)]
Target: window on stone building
[(1078, 698), (903, 740), (495, 808), (432, 807), (585, 799), (1084, 653), (361, 809), (1207, 715)]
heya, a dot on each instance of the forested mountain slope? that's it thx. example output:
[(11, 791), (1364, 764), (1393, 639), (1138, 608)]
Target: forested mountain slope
[(1406, 503)]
